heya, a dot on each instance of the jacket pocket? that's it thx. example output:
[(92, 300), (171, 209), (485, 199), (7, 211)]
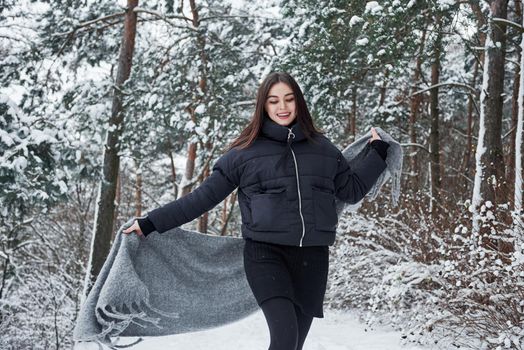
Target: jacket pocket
[(268, 210), (326, 218)]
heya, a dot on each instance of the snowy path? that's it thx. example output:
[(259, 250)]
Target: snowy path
[(336, 331)]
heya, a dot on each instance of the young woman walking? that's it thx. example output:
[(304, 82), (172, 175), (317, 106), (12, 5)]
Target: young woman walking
[(288, 175)]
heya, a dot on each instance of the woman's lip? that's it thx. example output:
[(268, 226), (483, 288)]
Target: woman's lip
[(284, 116)]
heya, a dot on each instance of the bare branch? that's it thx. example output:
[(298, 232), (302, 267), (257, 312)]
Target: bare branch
[(509, 132), (88, 23), (14, 38), (158, 14), (165, 18), (412, 144), (472, 89), (462, 134), (237, 16), (508, 22)]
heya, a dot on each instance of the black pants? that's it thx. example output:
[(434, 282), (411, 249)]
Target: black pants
[(288, 326)]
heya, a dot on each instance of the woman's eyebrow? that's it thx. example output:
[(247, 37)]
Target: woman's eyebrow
[(290, 93)]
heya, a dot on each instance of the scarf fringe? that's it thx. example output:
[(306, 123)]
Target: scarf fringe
[(120, 320)]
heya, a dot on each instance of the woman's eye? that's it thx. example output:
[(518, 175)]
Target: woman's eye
[(273, 102)]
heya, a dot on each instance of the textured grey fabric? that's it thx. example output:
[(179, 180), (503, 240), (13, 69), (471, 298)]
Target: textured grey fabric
[(177, 282), (393, 168), (182, 280)]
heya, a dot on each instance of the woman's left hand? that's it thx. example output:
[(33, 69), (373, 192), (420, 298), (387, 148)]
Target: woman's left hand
[(374, 135), (135, 227)]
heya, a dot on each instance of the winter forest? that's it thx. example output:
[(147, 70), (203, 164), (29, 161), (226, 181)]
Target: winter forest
[(109, 109)]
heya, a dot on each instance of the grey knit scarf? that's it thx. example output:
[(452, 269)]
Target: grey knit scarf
[(354, 152), (183, 280)]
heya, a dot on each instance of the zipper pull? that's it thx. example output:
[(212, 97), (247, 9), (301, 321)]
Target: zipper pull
[(290, 134)]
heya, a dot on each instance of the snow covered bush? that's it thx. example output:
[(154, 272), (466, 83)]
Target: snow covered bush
[(44, 277), (373, 270), (437, 283)]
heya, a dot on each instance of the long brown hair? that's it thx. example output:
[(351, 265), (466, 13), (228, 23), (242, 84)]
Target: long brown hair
[(252, 130)]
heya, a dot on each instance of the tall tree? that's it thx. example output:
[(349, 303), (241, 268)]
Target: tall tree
[(198, 99), (489, 170), (105, 205), (510, 155), (434, 139), (481, 22), (415, 103), (518, 222)]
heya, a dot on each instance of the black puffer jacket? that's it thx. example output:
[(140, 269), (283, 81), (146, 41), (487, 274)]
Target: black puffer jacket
[(287, 187)]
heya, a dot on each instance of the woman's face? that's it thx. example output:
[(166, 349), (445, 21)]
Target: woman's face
[(280, 104)]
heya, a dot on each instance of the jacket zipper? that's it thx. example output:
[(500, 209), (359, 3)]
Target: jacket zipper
[(298, 187)]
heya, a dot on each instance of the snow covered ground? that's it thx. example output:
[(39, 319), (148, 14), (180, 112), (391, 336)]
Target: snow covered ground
[(338, 330)]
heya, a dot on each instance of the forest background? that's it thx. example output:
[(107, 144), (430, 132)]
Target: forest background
[(111, 108)]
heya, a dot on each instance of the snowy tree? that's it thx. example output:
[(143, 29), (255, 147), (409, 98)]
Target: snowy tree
[(42, 166), (517, 213), (489, 172), (35, 159), (104, 219), (339, 53)]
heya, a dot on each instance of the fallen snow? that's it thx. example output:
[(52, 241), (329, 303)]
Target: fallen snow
[(338, 330)]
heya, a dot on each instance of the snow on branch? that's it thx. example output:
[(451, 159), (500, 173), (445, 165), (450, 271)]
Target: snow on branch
[(466, 86), (88, 23), (510, 23), (166, 18)]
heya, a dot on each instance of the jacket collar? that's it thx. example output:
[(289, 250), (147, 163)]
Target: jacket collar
[(279, 132)]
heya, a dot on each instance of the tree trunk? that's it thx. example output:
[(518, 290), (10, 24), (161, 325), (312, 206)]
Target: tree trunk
[(190, 163), (413, 180), (138, 190), (203, 220), (510, 157), (481, 22), (103, 227), (383, 89), (469, 132), (202, 84), (173, 167), (510, 161), (434, 115), (173, 173), (118, 200), (353, 115), (489, 172), (190, 169), (518, 224)]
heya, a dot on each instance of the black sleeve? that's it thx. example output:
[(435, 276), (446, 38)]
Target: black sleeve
[(353, 183), (381, 146), (213, 190), (146, 226)]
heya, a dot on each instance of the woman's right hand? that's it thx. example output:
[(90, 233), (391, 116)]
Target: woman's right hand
[(374, 135), (135, 227)]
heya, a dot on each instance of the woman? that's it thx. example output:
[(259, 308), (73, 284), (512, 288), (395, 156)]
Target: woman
[(288, 175)]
